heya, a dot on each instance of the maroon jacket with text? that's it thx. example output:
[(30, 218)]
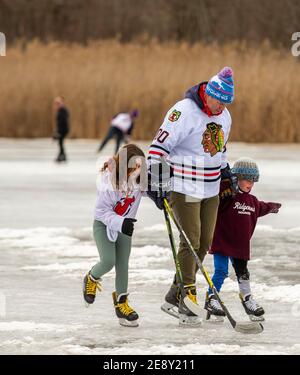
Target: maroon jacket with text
[(237, 217)]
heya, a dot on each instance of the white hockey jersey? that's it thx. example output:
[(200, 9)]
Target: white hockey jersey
[(113, 206), (122, 121), (193, 143)]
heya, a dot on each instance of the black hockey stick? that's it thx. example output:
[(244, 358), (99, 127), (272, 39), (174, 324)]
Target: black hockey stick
[(195, 308), (243, 327)]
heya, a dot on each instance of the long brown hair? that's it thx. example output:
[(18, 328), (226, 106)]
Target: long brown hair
[(131, 153)]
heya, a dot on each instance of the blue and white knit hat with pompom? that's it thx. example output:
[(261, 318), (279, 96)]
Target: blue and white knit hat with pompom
[(221, 86)]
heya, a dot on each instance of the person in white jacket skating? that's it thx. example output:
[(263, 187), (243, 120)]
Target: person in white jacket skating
[(118, 198), (121, 127)]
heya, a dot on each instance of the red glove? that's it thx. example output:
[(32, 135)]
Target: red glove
[(274, 207)]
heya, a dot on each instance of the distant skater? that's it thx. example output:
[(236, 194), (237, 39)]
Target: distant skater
[(121, 128), (62, 126)]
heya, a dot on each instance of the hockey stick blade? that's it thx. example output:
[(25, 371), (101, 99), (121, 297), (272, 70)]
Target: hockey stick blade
[(249, 327), (195, 308), (242, 327)]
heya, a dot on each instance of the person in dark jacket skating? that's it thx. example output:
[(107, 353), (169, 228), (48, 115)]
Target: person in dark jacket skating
[(237, 217), (62, 126)]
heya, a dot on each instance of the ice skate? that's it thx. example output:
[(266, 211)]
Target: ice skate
[(127, 316), (60, 158), (90, 286), (215, 314), (170, 306), (252, 308), (186, 317)]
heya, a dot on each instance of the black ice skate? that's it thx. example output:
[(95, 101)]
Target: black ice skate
[(186, 317), (60, 158), (252, 308), (90, 286), (127, 316), (214, 309), (172, 301)]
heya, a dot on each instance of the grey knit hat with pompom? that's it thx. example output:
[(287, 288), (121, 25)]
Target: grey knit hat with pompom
[(246, 169)]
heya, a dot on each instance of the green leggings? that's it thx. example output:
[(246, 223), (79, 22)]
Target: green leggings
[(112, 254)]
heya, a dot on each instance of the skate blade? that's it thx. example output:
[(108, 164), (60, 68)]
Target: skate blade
[(187, 322), (170, 309), (249, 327), (193, 307), (254, 318), (87, 305), (127, 323), (214, 319)]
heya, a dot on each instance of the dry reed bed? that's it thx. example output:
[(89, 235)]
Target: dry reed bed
[(107, 77)]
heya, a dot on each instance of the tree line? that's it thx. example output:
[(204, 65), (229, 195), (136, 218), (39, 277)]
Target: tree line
[(127, 20)]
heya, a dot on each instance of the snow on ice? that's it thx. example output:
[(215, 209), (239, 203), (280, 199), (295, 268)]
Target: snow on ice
[(46, 247)]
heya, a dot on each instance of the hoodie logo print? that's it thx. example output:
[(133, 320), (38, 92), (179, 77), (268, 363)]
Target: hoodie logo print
[(123, 206), (213, 139)]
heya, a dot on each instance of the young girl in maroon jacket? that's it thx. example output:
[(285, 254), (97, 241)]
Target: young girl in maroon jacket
[(237, 216)]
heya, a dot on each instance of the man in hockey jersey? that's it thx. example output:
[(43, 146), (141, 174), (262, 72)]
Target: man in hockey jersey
[(121, 127), (192, 140)]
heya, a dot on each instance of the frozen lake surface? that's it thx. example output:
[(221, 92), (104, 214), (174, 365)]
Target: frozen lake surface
[(46, 247)]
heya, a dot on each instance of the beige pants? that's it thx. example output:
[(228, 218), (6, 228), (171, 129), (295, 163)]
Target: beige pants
[(198, 220)]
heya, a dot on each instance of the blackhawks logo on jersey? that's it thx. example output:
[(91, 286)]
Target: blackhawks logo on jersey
[(174, 116), (213, 139)]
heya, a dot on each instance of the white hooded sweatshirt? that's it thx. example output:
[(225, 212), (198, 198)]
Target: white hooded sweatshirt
[(113, 206)]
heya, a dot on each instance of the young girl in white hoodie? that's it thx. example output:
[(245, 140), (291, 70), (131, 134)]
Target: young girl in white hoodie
[(118, 199)]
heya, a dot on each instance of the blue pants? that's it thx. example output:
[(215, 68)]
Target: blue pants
[(221, 270)]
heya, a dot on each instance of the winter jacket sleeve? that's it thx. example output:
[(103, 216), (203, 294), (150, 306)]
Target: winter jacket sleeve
[(171, 133), (224, 157), (224, 185), (106, 214), (106, 199), (224, 152), (266, 208), (226, 195)]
